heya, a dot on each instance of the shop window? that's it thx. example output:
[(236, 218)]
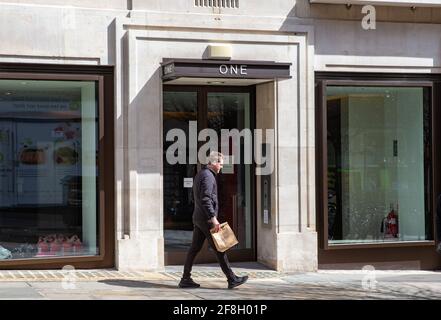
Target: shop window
[(378, 164), (48, 169)]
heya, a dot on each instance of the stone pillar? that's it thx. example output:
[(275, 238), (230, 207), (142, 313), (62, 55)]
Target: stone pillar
[(290, 242), (142, 243), (296, 234)]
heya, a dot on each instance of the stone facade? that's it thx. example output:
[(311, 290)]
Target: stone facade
[(135, 36)]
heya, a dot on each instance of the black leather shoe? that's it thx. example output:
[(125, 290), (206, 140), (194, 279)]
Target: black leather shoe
[(188, 283), (237, 282)]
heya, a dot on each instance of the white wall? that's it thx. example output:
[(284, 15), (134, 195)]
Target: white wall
[(97, 4), (41, 34), (391, 47)]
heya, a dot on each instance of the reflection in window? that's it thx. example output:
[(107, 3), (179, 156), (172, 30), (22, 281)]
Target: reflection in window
[(378, 143), (179, 109), (48, 169), (229, 111)]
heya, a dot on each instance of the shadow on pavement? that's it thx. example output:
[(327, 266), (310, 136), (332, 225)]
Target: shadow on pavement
[(146, 285), (138, 284)]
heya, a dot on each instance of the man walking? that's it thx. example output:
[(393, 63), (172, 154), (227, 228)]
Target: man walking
[(204, 218)]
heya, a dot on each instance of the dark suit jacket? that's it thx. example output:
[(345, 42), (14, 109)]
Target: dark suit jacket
[(205, 198)]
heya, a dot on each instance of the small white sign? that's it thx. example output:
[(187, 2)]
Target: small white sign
[(265, 216), (188, 182)]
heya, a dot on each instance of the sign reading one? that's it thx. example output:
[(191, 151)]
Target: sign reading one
[(233, 69), (173, 69)]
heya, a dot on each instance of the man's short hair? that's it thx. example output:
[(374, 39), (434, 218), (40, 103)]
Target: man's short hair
[(214, 157)]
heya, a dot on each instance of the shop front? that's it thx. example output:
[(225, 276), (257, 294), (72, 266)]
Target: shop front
[(350, 116), (85, 108), (378, 177)]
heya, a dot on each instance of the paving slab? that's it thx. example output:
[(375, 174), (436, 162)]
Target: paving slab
[(264, 284), (19, 293)]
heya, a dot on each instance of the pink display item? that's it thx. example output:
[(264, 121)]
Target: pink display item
[(42, 247), (77, 246), (67, 246), (58, 245)]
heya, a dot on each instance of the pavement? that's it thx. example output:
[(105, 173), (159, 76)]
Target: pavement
[(263, 284)]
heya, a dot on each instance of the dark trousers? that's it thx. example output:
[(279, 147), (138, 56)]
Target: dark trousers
[(199, 236)]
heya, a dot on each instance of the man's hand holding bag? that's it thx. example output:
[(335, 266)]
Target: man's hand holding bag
[(224, 239)]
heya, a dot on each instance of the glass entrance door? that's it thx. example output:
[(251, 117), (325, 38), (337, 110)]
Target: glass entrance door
[(179, 109), (216, 108), (231, 110)]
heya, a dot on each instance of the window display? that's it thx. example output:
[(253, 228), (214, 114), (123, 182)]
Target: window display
[(379, 164), (48, 168)]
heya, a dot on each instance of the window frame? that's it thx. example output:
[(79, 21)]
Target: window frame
[(366, 80), (104, 76)]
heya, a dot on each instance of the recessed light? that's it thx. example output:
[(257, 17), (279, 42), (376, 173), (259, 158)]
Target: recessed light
[(8, 93), (215, 82)]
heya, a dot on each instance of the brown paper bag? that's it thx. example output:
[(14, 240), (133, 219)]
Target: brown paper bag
[(225, 238)]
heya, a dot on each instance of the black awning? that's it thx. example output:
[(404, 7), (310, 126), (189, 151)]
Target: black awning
[(232, 69)]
